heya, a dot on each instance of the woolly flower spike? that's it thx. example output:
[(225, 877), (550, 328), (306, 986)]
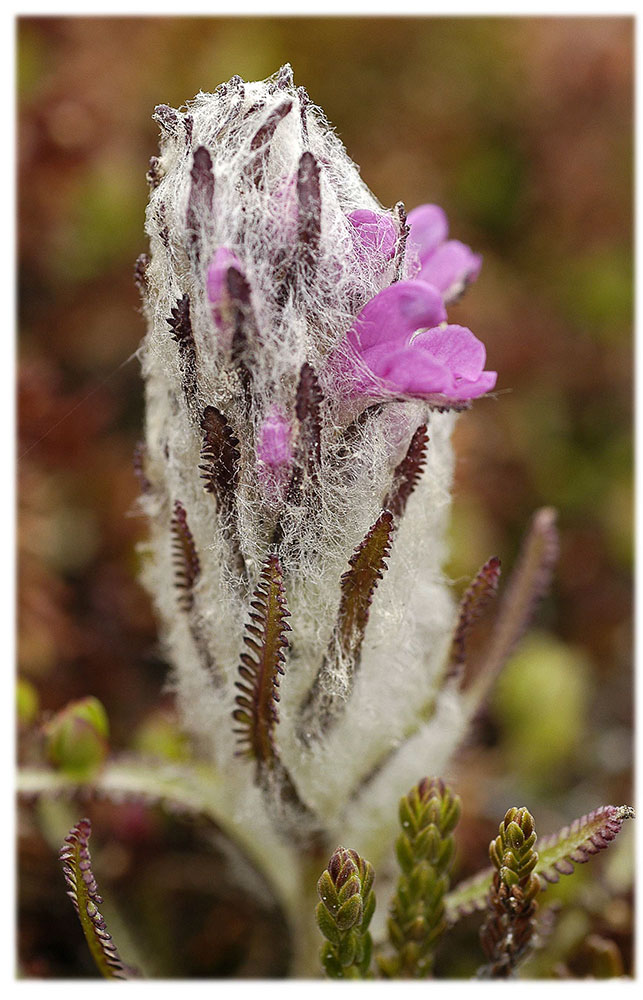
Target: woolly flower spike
[(507, 932), (270, 261), (428, 816), (83, 892), (344, 914)]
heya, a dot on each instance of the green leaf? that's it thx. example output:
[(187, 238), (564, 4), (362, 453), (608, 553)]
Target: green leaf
[(83, 892)]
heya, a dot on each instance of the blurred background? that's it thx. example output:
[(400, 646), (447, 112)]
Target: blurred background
[(521, 129)]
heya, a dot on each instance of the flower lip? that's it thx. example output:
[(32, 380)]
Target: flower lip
[(449, 265), (400, 345)]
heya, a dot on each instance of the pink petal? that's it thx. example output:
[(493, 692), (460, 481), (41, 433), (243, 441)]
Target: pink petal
[(451, 268), (471, 390), (412, 372), (394, 314), (373, 233), (454, 346), (429, 228), (274, 448), (217, 272)]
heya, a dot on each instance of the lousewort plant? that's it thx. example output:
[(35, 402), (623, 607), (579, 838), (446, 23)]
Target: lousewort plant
[(302, 383)]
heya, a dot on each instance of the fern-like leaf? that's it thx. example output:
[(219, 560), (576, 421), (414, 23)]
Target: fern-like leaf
[(83, 892), (187, 567), (260, 668), (578, 842), (528, 583), (558, 852), (180, 324), (479, 593), (407, 474), (367, 565), (220, 456)]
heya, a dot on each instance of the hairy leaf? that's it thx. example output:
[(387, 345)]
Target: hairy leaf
[(83, 892), (186, 562), (260, 669), (479, 593), (200, 198), (309, 218), (267, 130), (400, 249), (358, 586), (407, 474), (320, 709), (220, 456), (180, 324)]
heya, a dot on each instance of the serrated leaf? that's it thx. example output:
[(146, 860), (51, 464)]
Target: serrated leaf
[(528, 583), (180, 324), (477, 597), (578, 842), (558, 853), (367, 568), (320, 709), (187, 567), (408, 473), (220, 455), (83, 892), (261, 668)]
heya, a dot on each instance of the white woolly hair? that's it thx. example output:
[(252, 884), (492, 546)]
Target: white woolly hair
[(253, 213)]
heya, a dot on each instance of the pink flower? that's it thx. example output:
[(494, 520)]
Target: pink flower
[(447, 264), (274, 453), (217, 289), (400, 345)]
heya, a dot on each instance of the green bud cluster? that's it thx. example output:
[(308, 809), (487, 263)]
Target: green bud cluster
[(511, 906), (428, 816), (77, 738), (344, 914)]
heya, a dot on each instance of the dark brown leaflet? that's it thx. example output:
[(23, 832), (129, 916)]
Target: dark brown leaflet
[(407, 474), (220, 456), (320, 709), (180, 324), (187, 567), (260, 669), (200, 199), (479, 593)]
